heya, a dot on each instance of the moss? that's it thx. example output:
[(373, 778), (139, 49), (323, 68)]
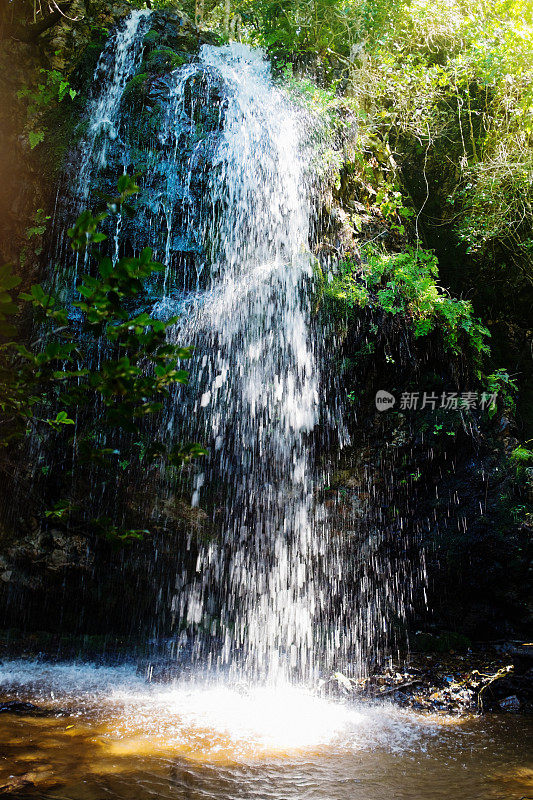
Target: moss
[(152, 38), (164, 59), (135, 89), (81, 77), (64, 131)]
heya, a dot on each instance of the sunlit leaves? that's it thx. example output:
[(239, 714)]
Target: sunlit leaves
[(405, 283), (52, 88), (62, 418)]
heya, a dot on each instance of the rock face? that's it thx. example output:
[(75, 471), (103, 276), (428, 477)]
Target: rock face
[(22, 188), (405, 484), (421, 480), (32, 558), (50, 575), (28, 178)]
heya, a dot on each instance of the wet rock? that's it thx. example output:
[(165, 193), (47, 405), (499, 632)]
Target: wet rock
[(344, 683), (522, 656), (17, 707), (16, 784), (39, 778), (401, 698), (511, 703), (56, 550), (29, 709)]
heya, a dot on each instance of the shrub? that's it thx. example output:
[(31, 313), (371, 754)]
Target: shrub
[(406, 283)]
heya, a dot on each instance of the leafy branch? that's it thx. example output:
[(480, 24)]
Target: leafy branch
[(56, 383)]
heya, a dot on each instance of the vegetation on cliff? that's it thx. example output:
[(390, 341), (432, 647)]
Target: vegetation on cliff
[(423, 238), (60, 375)]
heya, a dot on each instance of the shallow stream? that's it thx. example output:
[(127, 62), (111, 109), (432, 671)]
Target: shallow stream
[(119, 736)]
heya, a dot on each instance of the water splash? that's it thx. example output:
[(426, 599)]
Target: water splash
[(211, 719)]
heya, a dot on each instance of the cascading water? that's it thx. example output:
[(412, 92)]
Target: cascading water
[(259, 380), (116, 65), (225, 204), (275, 594)]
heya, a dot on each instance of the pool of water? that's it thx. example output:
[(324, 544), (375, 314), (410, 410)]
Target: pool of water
[(119, 736)]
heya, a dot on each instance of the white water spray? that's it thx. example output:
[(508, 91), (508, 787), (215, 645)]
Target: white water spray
[(258, 381)]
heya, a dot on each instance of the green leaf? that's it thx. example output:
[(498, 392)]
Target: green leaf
[(62, 418), (35, 138)]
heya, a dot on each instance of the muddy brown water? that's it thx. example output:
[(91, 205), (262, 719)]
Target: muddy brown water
[(120, 737)]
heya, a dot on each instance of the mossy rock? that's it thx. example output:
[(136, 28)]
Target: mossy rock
[(205, 114), (164, 59), (188, 41), (152, 39), (173, 32), (85, 63), (64, 132), (136, 89)]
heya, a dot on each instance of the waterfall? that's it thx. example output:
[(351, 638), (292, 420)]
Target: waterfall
[(258, 379), (116, 65), (269, 590), (104, 121)]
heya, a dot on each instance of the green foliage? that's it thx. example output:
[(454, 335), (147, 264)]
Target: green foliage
[(521, 457), (317, 28), (500, 382), (39, 224), (391, 204), (47, 385), (52, 88), (34, 235), (456, 78), (108, 530), (320, 100), (406, 283), (448, 81), (60, 510)]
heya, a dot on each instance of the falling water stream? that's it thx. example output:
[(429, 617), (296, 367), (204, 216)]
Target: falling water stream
[(258, 381), (271, 601)]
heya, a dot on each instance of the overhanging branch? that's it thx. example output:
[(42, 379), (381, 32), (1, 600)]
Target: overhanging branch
[(29, 34)]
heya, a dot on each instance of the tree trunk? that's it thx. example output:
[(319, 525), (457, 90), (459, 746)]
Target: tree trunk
[(227, 13)]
